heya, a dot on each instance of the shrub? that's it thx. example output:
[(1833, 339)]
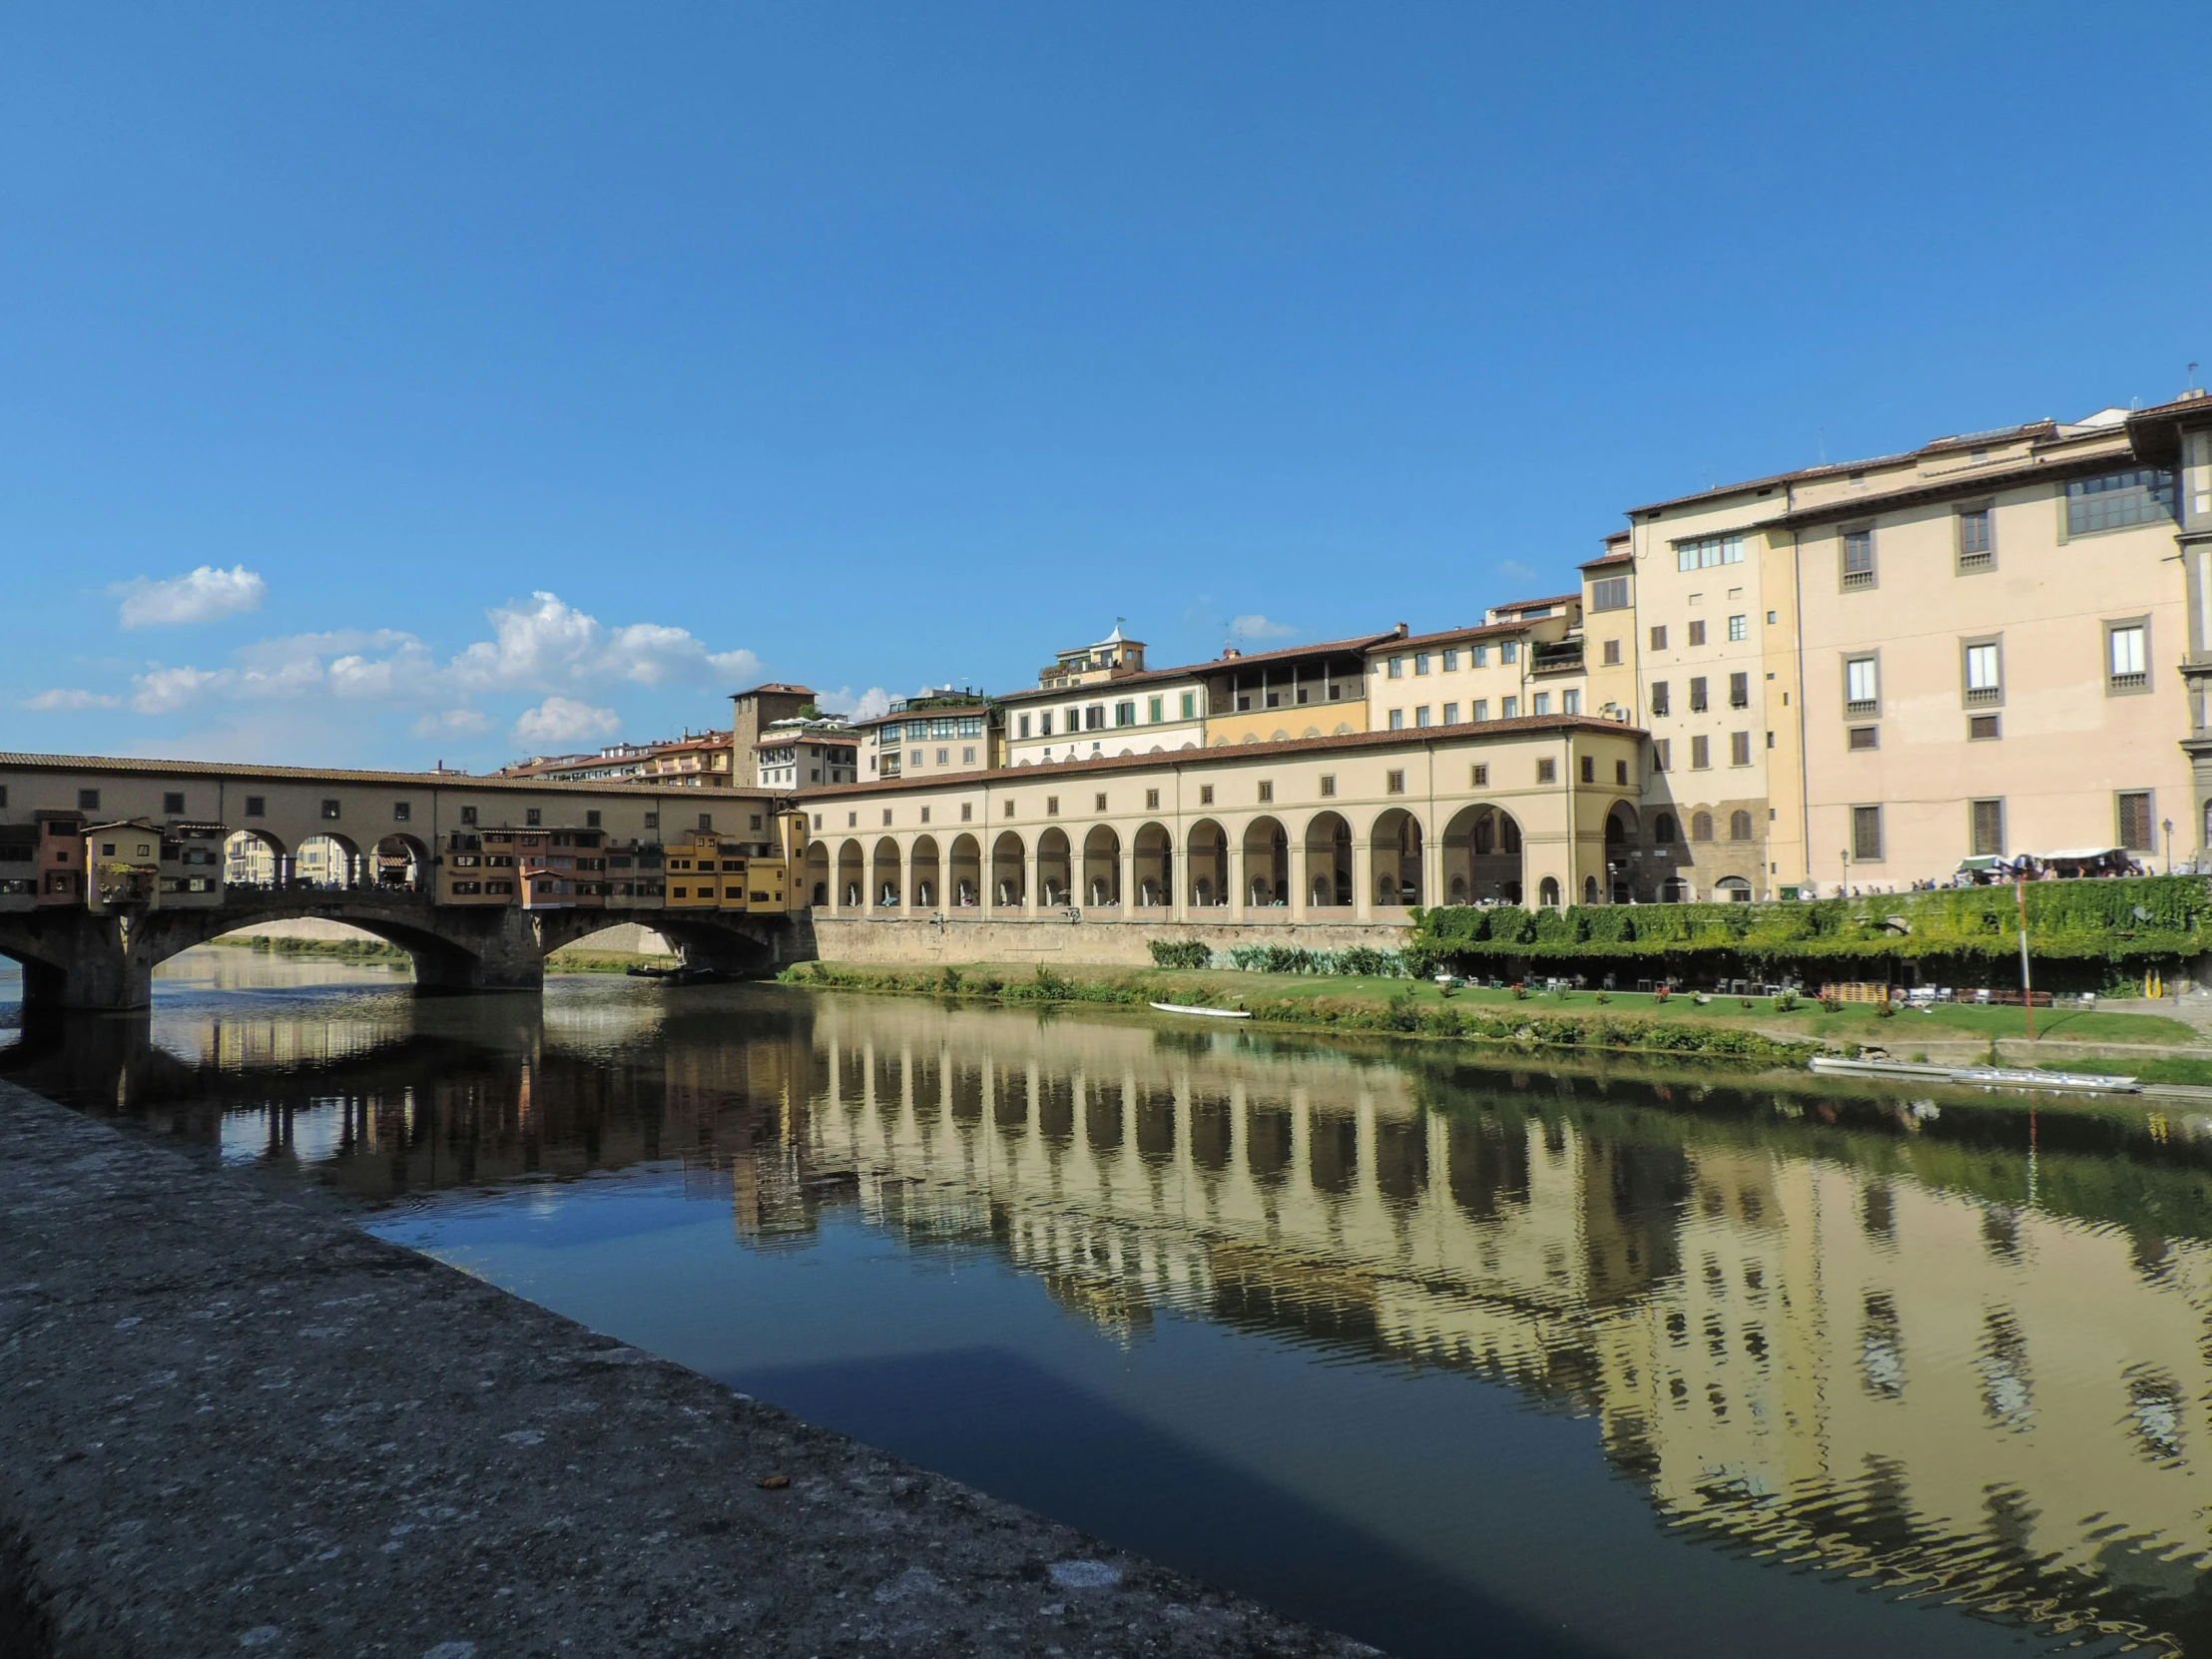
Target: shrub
[(948, 981), (1180, 954), (1787, 1001), (1520, 991), (1604, 996)]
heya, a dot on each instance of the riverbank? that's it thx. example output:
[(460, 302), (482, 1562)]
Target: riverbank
[(1736, 1028), (232, 1420)]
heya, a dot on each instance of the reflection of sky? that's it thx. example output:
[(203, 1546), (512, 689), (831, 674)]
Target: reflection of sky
[(1250, 1459)]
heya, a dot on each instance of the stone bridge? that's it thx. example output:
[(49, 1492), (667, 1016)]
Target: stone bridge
[(74, 960)]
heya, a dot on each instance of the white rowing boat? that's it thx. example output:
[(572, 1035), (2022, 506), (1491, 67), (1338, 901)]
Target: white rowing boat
[(1209, 1013), (1998, 1077)]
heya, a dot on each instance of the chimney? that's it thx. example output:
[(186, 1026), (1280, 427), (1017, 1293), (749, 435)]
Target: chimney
[(1401, 630), (1229, 651)]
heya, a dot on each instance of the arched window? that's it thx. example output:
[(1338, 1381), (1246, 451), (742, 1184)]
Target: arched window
[(1731, 890), (1700, 826), (1665, 830), (1547, 893), (1589, 889), (1739, 826)]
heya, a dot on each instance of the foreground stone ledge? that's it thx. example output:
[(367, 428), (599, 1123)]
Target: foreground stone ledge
[(229, 1423)]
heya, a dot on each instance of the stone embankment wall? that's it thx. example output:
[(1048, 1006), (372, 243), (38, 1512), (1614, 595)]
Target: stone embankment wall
[(232, 1423), (1103, 943)]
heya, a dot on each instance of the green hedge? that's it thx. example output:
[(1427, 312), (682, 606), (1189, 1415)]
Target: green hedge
[(1977, 927)]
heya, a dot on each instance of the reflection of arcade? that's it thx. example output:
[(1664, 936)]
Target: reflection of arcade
[(1761, 1335)]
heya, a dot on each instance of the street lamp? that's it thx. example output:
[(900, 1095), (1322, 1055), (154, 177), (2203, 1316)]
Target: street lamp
[(2168, 825)]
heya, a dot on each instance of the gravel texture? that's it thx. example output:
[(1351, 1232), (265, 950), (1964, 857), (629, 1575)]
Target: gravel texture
[(230, 1422)]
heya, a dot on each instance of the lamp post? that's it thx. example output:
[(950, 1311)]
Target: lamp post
[(2168, 825)]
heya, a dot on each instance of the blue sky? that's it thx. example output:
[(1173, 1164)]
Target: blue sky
[(387, 385)]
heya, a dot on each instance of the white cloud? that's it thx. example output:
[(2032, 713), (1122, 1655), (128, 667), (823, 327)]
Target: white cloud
[(202, 595), (1514, 571), (560, 720), (455, 723), (1257, 626), (61, 700), (866, 705), (547, 643), (165, 691)]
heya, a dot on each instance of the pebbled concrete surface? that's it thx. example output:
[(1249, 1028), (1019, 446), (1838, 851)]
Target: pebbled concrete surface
[(233, 1425)]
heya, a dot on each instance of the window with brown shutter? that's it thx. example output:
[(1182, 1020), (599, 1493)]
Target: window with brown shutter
[(1988, 828), (2135, 824), (1866, 834)]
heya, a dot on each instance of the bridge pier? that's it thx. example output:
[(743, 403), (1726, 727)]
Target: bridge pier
[(499, 951), (75, 961)]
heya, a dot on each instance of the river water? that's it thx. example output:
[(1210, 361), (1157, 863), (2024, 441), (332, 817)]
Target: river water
[(1455, 1355)]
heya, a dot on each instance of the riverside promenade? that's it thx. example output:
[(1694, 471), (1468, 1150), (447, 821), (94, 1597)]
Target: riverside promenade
[(232, 1423)]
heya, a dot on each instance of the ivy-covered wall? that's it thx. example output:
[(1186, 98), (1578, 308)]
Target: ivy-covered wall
[(2087, 932)]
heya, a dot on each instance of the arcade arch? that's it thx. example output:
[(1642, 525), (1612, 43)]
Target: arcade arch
[(1329, 879)]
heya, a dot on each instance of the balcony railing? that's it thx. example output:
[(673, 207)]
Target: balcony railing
[(1862, 708), (1983, 697), (2129, 682), (1565, 657)]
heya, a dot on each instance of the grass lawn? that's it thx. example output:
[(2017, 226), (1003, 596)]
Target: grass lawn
[(2145, 1068), (1853, 1022)]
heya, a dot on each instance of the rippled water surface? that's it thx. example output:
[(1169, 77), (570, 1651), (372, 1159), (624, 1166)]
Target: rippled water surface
[(1457, 1356)]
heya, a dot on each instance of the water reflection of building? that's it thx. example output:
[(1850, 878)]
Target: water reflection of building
[(1831, 1365)]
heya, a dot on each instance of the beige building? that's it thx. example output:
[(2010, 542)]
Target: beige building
[(794, 754), (1357, 826), (940, 733)]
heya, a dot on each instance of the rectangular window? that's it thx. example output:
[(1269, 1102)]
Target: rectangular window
[(1985, 677), (1707, 551), (468, 815), (1589, 769), (2141, 495), (1151, 800), (1866, 834), (1098, 803), (1699, 702), (1451, 713), (1862, 686), (1697, 633), (652, 820), (87, 801), (1396, 668), (1205, 795), (1609, 594), (403, 811), (1985, 829), (1570, 701), (1739, 749), (1863, 737), (1983, 727), (1662, 755), (1480, 777), (1267, 790), (1421, 713), (2136, 829), (1977, 551), (256, 805), (1327, 783), (1701, 752), (1479, 656), (1540, 704), (705, 820), (1125, 712), (1509, 707), (1190, 704), (1051, 805), (968, 756), (1094, 718), (1480, 708), (1021, 726), (330, 810), (1421, 662), (1152, 708), (1548, 769), (1659, 636), (1857, 571), (2127, 655), (1620, 772), (1509, 652), (1009, 812), (1659, 703), (1397, 720), (1739, 627), (925, 815), (1452, 660), (591, 820), (1611, 653), (1739, 691), (173, 802), (1393, 783), (1045, 724)]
